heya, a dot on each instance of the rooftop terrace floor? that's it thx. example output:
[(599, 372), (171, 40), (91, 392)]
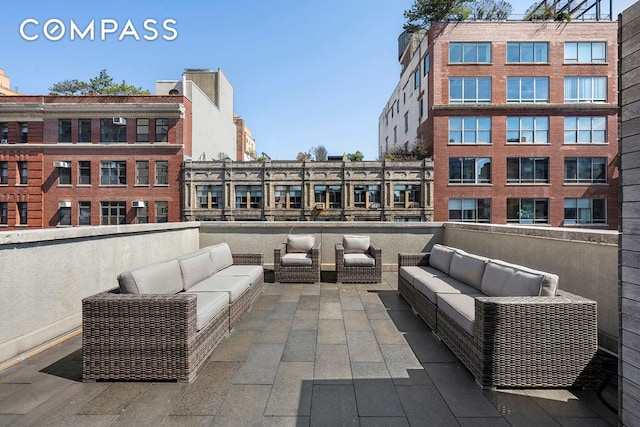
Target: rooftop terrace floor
[(306, 354)]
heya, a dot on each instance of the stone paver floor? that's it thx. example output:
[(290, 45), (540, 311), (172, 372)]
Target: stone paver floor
[(307, 354)]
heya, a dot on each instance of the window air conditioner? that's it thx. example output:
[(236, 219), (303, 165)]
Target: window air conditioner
[(61, 164), (374, 206), (64, 204), (319, 206), (4, 141), (523, 139), (120, 121), (139, 204)]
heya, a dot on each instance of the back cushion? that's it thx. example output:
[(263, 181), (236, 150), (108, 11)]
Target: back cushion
[(355, 244), (220, 256), (160, 278), (440, 258), (467, 268), (300, 244), (195, 268), (502, 280), (549, 284)]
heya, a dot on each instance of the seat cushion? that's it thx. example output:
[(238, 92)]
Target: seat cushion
[(501, 280), (195, 268), (251, 271), (158, 278), (460, 308), (359, 260), (297, 259), (234, 285), (300, 243), (468, 268), (431, 282), (440, 257), (220, 256), (209, 304), (355, 244)]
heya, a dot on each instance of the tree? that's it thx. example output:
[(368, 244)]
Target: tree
[(355, 157), (491, 10), (303, 156), (424, 12), (319, 153), (102, 84)]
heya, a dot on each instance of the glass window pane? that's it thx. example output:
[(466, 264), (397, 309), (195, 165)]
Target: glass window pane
[(470, 92), (598, 52), (513, 123), (484, 123), (584, 52), (600, 89), (570, 170), (570, 52), (455, 52), (542, 88), (513, 52), (455, 123), (469, 123), (484, 52), (541, 54), (570, 89), (469, 52), (526, 52), (484, 89), (513, 89), (455, 89)]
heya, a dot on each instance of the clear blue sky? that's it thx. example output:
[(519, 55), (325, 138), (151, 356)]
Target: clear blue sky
[(304, 73)]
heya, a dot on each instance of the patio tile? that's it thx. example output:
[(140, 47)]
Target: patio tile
[(23, 398), (152, 406), (356, 321), (244, 405), (560, 403), (291, 392), (332, 364), (271, 421), (401, 362), (261, 365), (392, 300), (330, 310), (310, 289), (369, 370), (375, 311), (334, 405), (351, 303), (266, 302), (305, 320), (377, 398), (331, 332), (8, 419), (300, 347), (284, 310), (406, 321), (422, 403), (386, 332), (255, 320), (583, 422), (519, 409), (309, 302), (114, 399), (189, 421), (236, 346), (428, 348), (363, 347), (483, 422), (329, 293), (384, 422), (275, 332)]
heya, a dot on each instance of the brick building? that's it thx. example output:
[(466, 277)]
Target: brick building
[(520, 118), (91, 160), (245, 143)]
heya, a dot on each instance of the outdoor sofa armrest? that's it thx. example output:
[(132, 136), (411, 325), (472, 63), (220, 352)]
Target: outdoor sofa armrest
[(278, 253), (376, 253), (248, 259), (413, 259), (339, 256)]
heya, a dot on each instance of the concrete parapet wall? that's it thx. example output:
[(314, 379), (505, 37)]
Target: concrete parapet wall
[(584, 259), (46, 273)]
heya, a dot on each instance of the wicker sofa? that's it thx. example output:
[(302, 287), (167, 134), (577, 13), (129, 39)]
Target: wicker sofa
[(508, 324), (167, 317)]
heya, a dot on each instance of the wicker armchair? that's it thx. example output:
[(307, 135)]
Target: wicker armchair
[(358, 261), (297, 260)]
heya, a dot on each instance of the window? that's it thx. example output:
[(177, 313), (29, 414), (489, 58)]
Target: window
[(23, 212), (84, 213), (585, 211), (416, 78), (528, 52), (112, 213), (4, 132), (216, 196), (162, 172), (470, 130), (527, 170), (288, 197), (142, 172), (162, 211), (528, 89), (24, 133), (142, 214), (474, 90), (406, 122), (335, 196), (64, 215), (4, 173), (255, 196), (64, 130), (470, 210), (84, 130), (110, 132), (585, 89), (421, 109), (395, 134), (162, 130), (470, 53), (585, 170), (398, 106), (142, 130), (366, 196), (113, 173), (585, 52), (64, 174), (23, 173), (528, 211), (241, 196), (4, 213), (425, 64), (528, 130), (202, 196), (585, 130), (84, 172), (469, 170), (406, 196), (248, 196)]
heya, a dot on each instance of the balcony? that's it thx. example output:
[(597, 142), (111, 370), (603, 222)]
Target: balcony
[(306, 354)]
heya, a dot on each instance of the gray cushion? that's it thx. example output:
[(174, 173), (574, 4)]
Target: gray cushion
[(432, 282), (440, 258), (234, 285), (549, 283), (359, 260), (220, 256), (501, 280), (296, 260), (158, 278), (209, 304), (468, 268), (195, 268), (460, 308), (300, 243), (355, 244), (251, 271)]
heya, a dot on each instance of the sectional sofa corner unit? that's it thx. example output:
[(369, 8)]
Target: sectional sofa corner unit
[(508, 324)]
